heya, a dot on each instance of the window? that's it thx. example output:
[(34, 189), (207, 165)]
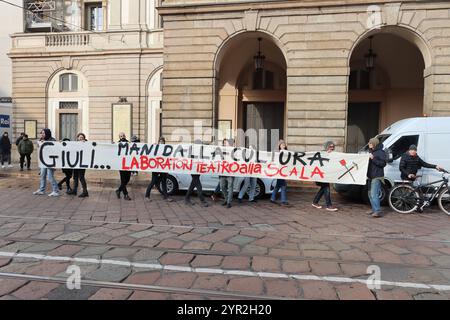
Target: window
[(262, 79), (359, 80), (68, 82), (402, 145), (94, 16), (68, 105), (121, 120)]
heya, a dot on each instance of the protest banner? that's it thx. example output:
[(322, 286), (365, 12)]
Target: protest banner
[(332, 167)]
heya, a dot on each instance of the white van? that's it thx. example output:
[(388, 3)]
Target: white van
[(431, 135)]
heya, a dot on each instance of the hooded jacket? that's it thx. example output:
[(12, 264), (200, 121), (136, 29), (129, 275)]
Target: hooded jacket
[(5, 145), (48, 135), (25, 146), (377, 164)]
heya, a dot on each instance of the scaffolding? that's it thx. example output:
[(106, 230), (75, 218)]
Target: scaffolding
[(44, 16)]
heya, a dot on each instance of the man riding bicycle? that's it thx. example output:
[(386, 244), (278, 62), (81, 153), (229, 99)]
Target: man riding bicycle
[(410, 163)]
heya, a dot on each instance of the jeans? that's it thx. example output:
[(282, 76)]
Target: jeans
[(158, 178), (374, 191), (248, 181), (5, 157), (78, 175), (281, 184), (323, 191), (22, 160), (195, 184), (124, 179), (226, 185), (50, 173)]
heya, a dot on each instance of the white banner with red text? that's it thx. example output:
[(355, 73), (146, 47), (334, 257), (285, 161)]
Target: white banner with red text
[(335, 167)]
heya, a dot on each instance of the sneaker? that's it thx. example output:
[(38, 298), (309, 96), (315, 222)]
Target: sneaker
[(369, 212), (127, 197), (83, 195), (148, 199), (254, 201), (229, 206), (169, 199), (189, 202), (376, 215), (54, 194), (332, 209), (205, 204), (273, 201), (224, 203), (38, 193), (3, 167), (317, 206), (239, 200)]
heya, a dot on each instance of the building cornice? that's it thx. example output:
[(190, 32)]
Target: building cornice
[(189, 7)]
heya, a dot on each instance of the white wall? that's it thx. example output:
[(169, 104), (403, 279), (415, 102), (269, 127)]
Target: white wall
[(11, 22)]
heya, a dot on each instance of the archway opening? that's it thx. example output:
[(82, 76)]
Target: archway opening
[(68, 104), (392, 90), (251, 100)]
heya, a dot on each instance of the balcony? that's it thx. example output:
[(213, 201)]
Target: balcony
[(32, 44)]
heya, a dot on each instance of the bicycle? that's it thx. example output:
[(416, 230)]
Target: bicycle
[(407, 198)]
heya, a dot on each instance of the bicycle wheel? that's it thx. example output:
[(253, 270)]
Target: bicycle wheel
[(404, 199), (444, 201)]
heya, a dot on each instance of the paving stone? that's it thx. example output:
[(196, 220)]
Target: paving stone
[(47, 268), (98, 238), (248, 285), (236, 262), (354, 255), (395, 294), (177, 279), (267, 264), (171, 244), (241, 240), (324, 268), (111, 273), (354, 291), (254, 250), (429, 296), (295, 267), (111, 294), (92, 251), (73, 236), (47, 235), (441, 260), (282, 288), (206, 261), (10, 285), (43, 247), (147, 255), (210, 282), (176, 258), (119, 252), (318, 290), (197, 245), (143, 234), (320, 254), (63, 293), (146, 242), (34, 290), (147, 278), (6, 232), (146, 295)]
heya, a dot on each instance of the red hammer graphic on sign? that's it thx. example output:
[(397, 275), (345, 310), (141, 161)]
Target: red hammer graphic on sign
[(348, 170)]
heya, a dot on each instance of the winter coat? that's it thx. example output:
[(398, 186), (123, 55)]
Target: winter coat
[(377, 164), (410, 165), (5, 145), (25, 146)]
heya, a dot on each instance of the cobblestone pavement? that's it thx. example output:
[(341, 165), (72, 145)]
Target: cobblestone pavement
[(161, 250)]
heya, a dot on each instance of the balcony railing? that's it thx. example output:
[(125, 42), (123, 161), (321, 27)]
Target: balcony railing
[(67, 39)]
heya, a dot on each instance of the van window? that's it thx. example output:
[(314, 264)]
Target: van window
[(402, 145)]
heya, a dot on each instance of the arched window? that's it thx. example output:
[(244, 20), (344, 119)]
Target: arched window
[(68, 82)]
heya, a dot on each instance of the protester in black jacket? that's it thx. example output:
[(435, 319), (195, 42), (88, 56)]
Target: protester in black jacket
[(375, 174), (410, 163), (79, 175), (5, 149), (158, 178), (195, 184), (124, 175)]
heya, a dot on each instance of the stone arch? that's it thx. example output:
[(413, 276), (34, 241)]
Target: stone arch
[(154, 102)]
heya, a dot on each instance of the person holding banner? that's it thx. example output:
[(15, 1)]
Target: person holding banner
[(248, 182), (227, 182), (375, 173), (5, 150), (46, 135), (79, 175), (124, 175), (195, 184), (281, 183), (68, 174), (158, 178), (324, 190)]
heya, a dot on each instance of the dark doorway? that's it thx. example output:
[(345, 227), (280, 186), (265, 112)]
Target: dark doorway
[(362, 124), (269, 116)]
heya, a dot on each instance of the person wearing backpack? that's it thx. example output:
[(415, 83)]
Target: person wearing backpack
[(25, 148)]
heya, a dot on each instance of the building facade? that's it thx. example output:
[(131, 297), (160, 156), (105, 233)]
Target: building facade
[(312, 70)]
